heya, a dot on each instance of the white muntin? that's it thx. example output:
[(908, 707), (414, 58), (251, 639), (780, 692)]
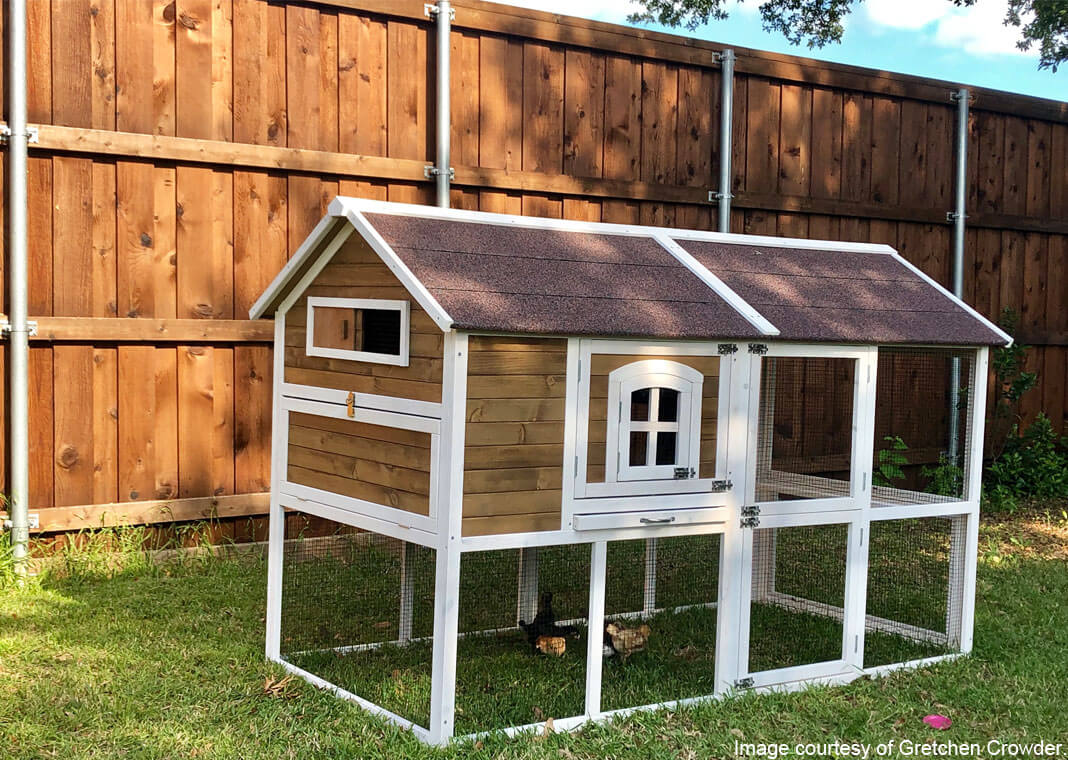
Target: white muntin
[(601, 439)]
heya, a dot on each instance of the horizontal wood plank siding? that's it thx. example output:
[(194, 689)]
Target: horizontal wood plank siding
[(514, 446), (381, 465)]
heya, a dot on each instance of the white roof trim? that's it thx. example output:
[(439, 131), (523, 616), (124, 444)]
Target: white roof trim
[(400, 269), (603, 228), (281, 280), (717, 285), (934, 283)]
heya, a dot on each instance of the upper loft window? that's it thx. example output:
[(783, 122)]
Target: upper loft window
[(359, 329), (654, 421)]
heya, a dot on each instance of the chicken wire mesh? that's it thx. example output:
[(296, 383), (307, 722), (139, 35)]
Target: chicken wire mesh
[(915, 589), (798, 596), (660, 612), (805, 424), (521, 656), (923, 401), (358, 612)]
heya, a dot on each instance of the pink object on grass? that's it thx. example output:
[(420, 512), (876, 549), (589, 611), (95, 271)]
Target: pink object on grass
[(938, 722)]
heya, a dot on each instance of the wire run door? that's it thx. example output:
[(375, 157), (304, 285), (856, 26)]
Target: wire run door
[(804, 551)]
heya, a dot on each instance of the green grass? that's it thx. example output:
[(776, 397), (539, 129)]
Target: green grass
[(167, 662)]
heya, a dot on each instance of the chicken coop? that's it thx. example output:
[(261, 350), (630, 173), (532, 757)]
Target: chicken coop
[(533, 472)]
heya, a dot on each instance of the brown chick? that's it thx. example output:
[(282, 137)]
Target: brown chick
[(554, 645), (627, 641)]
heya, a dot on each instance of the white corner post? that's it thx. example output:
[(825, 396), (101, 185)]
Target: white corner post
[(442, 172), (742, 373), (447, 572), (726, 121), (595, 621), (859, 531), (276, 535), (958, 217), (18, 327), (973, 486)]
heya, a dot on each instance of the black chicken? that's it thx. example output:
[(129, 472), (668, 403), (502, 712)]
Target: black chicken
[(544, 623)]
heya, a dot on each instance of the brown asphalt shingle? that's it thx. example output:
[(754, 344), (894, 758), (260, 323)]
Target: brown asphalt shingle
[(515, 279), (507, 278), (838, 296)]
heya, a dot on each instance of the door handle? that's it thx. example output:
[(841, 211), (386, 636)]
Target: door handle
[(657, 520)]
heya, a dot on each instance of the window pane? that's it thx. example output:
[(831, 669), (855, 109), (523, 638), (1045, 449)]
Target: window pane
[(639, 447), (666, 445), (639, 405), (669, 405), (381, 331)]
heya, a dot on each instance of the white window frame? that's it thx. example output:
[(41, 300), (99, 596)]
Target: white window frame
[(397, 360), (652, 374)]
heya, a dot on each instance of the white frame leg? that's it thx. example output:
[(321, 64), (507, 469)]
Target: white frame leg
[(594, 633)]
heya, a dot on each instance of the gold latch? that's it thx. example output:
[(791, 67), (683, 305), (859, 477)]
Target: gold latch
[(350, 405)]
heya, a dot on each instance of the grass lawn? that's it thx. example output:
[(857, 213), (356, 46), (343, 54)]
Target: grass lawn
[(167, 662)]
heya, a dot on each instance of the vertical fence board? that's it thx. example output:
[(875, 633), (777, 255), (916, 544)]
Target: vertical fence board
[(698, 127), (584, 87), (543, 113), (762, 133), (407, 77), (500, 115), (464, 105), (795, 141), (623, 118), (826, 140), (660, 105), (361, 85)]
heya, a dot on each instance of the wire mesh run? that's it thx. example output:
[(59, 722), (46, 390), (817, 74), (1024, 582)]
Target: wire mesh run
[(521, 656), (922, 434), (798, 596), (358, 612), (660, 612), (805, 426), (915, 589)]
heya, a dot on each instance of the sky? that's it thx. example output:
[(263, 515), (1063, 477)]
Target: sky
[(932, 38)]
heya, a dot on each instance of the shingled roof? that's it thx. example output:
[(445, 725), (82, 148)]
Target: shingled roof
[(490, 272)]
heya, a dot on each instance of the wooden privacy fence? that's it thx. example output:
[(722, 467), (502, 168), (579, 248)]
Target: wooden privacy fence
[(187, 146)]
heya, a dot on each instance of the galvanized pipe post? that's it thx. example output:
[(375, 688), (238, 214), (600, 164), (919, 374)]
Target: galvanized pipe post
[(18, 326), (726, 120), (442, 171), (958, 217)]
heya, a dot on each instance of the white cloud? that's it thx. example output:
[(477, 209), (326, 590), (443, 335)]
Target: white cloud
[(978, 30)]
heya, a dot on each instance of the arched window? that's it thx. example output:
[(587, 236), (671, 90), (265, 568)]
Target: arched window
[(654, 421)]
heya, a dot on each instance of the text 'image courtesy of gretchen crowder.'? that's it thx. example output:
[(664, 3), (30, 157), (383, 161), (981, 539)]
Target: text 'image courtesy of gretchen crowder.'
[(995, 748)]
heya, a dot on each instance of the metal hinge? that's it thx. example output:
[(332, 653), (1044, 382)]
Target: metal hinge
[(430, 172), (31, 328), (727, 348), (758, 348), (715, 196), (719, 486), (684, 473), (750, 517), (430, 10), (32, 135), (744, 683)]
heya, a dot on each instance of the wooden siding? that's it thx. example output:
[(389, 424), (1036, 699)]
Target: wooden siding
[(357, 272), (514, 446), (603, 364), (382, 465), (184, 155)]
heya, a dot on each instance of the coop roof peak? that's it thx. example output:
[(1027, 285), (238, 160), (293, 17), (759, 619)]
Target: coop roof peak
[(480, 271)]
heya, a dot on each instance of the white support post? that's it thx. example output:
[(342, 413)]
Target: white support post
[(649, 592), (447, 577), (277, 521), (404, 634), (527, 605), (742, 375), (863, 457), (973, 491), (594, 637)]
